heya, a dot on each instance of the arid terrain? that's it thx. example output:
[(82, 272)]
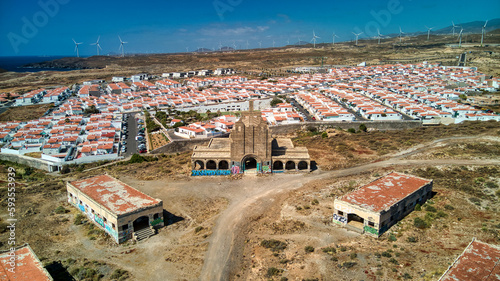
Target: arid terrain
[(217, 225)]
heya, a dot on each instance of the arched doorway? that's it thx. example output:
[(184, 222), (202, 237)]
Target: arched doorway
[(277, 165), (223, 165), (249, 163), (302, 165), (141, 223), (290, 165), (211, 165), (198, 165)]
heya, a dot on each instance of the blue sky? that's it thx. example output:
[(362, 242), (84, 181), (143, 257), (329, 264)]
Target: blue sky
[(46, 27)]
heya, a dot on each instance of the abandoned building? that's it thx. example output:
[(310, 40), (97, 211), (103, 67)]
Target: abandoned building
[(249, 149), (375, 207), (21, 264), (117, 208), (479, 261)]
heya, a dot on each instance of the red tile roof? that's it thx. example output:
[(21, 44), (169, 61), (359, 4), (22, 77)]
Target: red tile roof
[(114, 195), (28, 266), (384, 192), (479, 261)]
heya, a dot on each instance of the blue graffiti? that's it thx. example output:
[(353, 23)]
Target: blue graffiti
[(210, 172)]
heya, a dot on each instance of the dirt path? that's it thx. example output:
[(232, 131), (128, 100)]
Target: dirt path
[(257, 193)]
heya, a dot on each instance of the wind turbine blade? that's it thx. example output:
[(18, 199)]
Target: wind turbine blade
[(99, 46), (73, 40), (485, 23)]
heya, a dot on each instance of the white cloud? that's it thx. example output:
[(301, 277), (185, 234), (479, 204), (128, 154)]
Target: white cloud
[(236, 31)]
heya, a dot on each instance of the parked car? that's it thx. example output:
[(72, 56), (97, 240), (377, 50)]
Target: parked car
[(143, 151)]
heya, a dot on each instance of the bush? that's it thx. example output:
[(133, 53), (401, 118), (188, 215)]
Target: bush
[(430, 208), (407, 276), (348, 264), (315, 202), (491, 184), (418, 207), (353, 256), (329, 250), (393, 260), (343, 249), (274, 245), (351, 130), (420, 223), (412, 239), (284, 279), (392, 238), (79, 219), (386, 254), (136, 158), (449, 207), (363, 128), (309, 249), (65, 170), (324, 135), (334, 259), (273, 271), (60, 210), (198, 229), (441, 214), (119, 274), (275, 101)]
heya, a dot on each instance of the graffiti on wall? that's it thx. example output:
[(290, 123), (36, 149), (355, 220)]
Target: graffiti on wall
[(210, 172), (370, 230), (341, 219), (81, 208), (111, 231), (266, 169), (235, 170), (99, 220)]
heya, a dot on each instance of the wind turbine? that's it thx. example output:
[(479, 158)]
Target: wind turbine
[(288, 41), (483, 31), (76, 48), (97, 44), (378, 36), (260, 44), (453, 27), (314, 39), (400, 34), (247, 44), (234, 45), (274, 43), (121, 46), (357, 35), (333, 37), (187, 49), (428, 32), (460, 36)]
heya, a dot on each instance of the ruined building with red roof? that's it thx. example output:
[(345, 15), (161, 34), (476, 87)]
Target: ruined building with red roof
[(375, 207), (117, 208)]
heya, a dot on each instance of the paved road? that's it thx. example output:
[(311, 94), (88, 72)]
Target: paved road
[(303, 110), (222, 256), (132, 132)]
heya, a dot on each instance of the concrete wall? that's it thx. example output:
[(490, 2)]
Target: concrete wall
[(322, 126), (25, 160)]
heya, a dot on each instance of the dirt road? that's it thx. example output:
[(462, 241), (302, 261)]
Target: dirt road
[(257, 193)]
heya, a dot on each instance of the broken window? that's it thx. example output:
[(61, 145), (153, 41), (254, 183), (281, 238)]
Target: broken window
[(341, 213), (125, 227), (372, 224), (155, 216)]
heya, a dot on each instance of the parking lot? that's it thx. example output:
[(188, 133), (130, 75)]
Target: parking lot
[(132, 131)]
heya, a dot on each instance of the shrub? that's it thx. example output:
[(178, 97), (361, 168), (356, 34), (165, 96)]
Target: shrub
[(449, 207), (491, 184), (273, 271), (119, 274), (79, 219), (343, 249), (334, 259), (418, 207), (386, 254), (412, 239), (441, 214), (420, 223), (284, 279), (307, 207), (315, 202), (60, 210), (393, 260), (430, 208), (348, 264), (353, 256), (274, 245), (392, 238), (65, 169), (324, 135), (309, 249), (363, 128), (329, 250), (498, 193), (407, 276), (351, 130), (198, 229), (136, 158)]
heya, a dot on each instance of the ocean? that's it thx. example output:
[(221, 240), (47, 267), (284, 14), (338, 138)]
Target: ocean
[(15, 63)]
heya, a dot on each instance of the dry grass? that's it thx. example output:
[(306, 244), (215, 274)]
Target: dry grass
[(25, 113)]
